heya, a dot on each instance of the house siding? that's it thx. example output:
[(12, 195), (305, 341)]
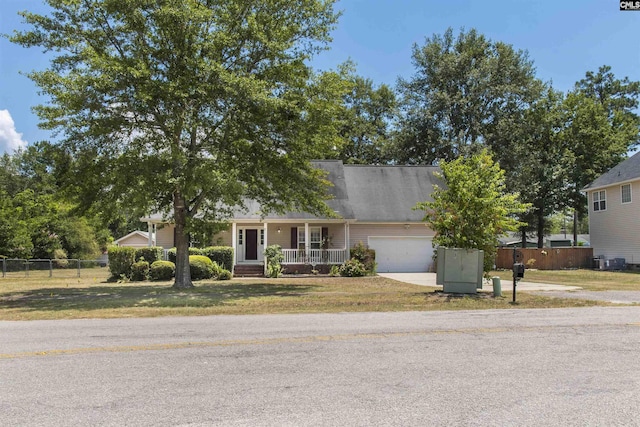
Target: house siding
[(362, 232), (164, 236), (615, 231), (135, 241)]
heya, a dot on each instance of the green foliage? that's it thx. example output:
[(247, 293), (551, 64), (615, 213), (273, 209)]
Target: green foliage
[(466, 91), (140, 271), (222, 255), (162, 270), (334, 271), (201, 267), (352, 268), (121, 260), (150, 254), (201, 90), (274, 256), (224, 275), (474, 209), (171, 253), (366, 256)]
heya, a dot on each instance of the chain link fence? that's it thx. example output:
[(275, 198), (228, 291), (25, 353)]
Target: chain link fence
[(14, 267)]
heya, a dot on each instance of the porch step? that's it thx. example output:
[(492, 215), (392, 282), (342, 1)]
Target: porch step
[(248, 270)]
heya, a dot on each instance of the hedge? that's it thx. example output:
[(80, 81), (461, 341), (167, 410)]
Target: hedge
[(171, 253), (121, 258), (150, 254), (162, 270), (201, 267), (221, 255), (140, 271)]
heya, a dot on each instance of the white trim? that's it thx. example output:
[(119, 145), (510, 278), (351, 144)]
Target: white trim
[(613, 184), (593, 201), (143, 234)]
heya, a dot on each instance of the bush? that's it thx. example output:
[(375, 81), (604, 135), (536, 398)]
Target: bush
[(224, 275), (171, 254), (335, 271), (201, 267), (222, 255), (162, 270), (352, 268), (150, 254), (121, 258), (366, 256), (140, 271), (274, 256)]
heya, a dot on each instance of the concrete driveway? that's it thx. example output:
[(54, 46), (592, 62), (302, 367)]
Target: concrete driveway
[(429, 279), (546, 289)]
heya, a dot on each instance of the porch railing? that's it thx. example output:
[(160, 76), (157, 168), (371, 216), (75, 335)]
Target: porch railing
[(314, 256)]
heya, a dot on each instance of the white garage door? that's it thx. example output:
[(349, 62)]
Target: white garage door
[(402, 254)]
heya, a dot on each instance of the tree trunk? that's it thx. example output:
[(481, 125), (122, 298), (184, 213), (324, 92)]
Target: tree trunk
[(183, 274), (524, 237), (540, 229)]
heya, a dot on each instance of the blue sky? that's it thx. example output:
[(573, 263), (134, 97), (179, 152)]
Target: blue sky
[(565, 39)]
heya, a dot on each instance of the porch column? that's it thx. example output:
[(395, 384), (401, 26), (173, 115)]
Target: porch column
[(264, 247), (234, 242), (307, 244), (150, 232), (347, 244)]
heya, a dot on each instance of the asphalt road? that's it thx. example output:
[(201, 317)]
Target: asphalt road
[(565, 367)]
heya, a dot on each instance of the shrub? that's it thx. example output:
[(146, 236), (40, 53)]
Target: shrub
[(140, 271), (150, 254), (60, 259), (171, 253), (274, 256), (224, 275), (352, 268), (222, 255), (201, 267), (162, 270), (366, 256), (121, 258), (335, 271)]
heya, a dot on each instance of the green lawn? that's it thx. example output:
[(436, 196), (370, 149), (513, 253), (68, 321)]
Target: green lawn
[(591, 280), (90, 296)]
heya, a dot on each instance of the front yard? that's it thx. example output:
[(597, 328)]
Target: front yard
[(91, 297)]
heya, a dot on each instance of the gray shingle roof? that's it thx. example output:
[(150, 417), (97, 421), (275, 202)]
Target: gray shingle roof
[(627, 170), (366, 193)]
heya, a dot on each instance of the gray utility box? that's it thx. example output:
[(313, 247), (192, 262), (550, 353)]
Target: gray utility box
[(460, 270)]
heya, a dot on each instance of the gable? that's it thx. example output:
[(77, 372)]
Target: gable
[(628, 170)]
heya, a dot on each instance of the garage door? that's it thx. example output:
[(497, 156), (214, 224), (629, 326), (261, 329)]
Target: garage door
[(402, 254)]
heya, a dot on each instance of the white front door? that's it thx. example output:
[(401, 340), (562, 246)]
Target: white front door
[(250, 245)]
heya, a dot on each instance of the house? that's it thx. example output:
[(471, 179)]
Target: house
[(614, 215), (374, 205), (136, 239)]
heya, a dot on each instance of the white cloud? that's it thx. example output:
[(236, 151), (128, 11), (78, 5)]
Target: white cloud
[(10, 139)]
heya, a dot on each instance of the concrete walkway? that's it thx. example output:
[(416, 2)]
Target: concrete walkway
[(546, 289), (429, 279)]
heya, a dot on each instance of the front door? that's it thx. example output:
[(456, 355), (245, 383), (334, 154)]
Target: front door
[(251, 245)]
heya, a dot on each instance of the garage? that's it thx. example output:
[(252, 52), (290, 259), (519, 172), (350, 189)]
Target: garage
[(402, 254)]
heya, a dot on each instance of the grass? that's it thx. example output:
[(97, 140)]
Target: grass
[(91, 296), (590, 280)]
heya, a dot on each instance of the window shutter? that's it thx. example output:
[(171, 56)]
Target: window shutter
[(325, 237), (294, 237)]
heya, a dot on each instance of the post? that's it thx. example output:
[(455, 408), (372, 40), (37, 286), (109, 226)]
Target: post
[(4, 267), (78, 268), (50, 268), (513, 271)]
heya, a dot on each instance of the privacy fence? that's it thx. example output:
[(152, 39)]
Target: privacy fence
[(547, 258), (13, 267)]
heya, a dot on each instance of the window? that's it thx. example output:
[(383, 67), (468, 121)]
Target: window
[(240, 235), (626, 193), (315, 237), (599, 200), (262, 237)]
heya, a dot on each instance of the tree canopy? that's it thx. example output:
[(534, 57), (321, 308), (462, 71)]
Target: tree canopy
[(474, 209), (189, 107)]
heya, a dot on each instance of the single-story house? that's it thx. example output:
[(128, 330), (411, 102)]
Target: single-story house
[(614, 215), (374, 206), (136, 239)]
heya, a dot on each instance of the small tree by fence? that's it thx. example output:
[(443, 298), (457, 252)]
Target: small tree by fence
[(547, 258)]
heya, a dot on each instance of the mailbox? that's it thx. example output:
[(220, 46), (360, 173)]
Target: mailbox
[(518, 270)]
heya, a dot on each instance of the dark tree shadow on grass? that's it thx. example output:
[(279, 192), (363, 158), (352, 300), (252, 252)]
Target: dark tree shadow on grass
[(160, 296)]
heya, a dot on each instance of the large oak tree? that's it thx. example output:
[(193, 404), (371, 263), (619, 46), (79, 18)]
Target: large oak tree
[(189, 107)]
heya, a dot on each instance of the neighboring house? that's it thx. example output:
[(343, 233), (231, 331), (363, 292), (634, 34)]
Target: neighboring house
[(374, 205), (136, 239), (614, 212), (550, 241)]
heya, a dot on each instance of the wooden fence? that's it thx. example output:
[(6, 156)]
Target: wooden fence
[(547, 258)]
